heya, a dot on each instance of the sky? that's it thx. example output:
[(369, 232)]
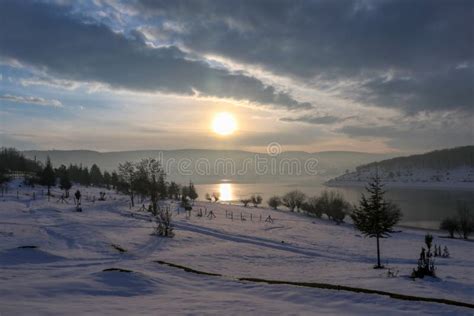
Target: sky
[(362, 75)]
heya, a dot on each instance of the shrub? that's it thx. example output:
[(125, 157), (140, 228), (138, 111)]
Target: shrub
[(256, 200), (216, 196), (245, 201), (293, 199), (449, 224), (164, 225), (426, 264), (333, 205), (312, 207), (465, 221), (274, 202)]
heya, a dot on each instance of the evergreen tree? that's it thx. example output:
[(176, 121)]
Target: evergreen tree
[(64, 183), (192, 194), (84, 176), (48, 177), (375, 216), (107, 180), (173, 190), (96, 177), (114, 179), (161, 185)]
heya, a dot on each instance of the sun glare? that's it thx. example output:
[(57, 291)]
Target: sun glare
[(224, 124)]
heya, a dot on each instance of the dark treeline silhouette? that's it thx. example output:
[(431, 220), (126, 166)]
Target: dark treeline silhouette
[(11, 160), (438, 159)]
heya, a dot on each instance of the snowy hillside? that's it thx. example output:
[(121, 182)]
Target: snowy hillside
[(54, 260), (447, 168), (462, 177)]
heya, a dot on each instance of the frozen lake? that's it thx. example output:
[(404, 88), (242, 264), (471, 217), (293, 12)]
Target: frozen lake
[(423, 208)]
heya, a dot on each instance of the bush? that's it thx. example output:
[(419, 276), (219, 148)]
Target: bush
[(465, 221), (256, 200), (312, 207), (245, 201), (462, 223), (293, 199), (449, 224), (426, 264), (333, 205), (274, 202), (164, 226)]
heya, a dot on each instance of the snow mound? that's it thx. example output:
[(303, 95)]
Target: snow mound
[(122, 282), (27, 255)]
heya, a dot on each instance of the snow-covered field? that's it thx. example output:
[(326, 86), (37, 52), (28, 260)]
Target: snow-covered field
[(64, 274)]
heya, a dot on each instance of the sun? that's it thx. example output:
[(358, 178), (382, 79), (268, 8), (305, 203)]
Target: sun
[(224, 124)]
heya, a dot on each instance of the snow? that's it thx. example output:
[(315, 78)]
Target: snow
[(64, 272), (453, 179)]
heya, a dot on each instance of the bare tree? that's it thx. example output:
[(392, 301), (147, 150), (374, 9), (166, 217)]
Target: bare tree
[(245, 201), (256, 200), (451, 225), (293, 199), (274, 202), (465, 221), (126, 173)]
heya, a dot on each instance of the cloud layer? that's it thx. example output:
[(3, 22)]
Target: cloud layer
[(410, 55), (51, 38), (31, 100)]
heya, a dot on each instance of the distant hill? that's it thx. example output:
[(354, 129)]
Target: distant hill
[(207, 166), (447, 167)]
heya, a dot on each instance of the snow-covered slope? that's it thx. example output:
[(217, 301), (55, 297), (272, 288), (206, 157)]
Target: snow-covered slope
[(462, 178), (447, 168), (65, 274)]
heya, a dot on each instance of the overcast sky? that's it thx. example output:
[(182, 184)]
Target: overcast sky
[(375, 76)]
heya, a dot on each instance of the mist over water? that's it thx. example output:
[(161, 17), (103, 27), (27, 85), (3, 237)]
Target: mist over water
[(423, 208)]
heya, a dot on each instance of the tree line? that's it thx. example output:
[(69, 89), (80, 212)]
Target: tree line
[(329, 203), (438, 159)]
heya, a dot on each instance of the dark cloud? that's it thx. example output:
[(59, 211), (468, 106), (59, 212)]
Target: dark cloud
[(316, 120), (51, 38), (424, 40), (450, 89), (414, 136)]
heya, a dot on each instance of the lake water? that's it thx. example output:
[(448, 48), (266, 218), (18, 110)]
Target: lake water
[(423, 208)]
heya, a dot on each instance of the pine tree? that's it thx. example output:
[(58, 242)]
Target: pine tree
[(162, 186), (65, 184), (85, 178), (192, 191), (375, 216), (96, 177), (107, 179), (48, 177)]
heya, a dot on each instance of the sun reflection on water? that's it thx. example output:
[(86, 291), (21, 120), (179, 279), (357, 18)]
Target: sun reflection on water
[(226, 192)]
